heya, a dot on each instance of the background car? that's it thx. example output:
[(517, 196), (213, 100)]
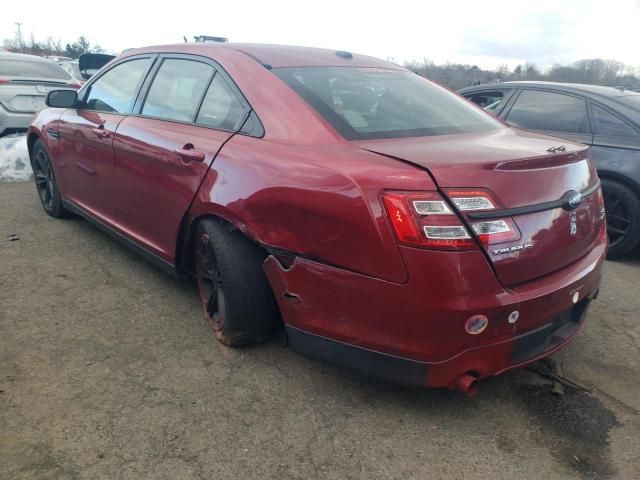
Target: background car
[(606, 118), (25, 81)]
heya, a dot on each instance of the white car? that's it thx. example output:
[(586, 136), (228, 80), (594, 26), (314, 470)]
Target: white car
[(25, 81)]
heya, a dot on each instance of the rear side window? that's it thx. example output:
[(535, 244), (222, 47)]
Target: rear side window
[(487, 100), (32, 69), (177, 90), (115, 91), (369, 103), (555, 112), (221, 108), (605, 123)]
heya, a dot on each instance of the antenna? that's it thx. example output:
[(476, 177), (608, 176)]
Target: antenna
[(19, 35)]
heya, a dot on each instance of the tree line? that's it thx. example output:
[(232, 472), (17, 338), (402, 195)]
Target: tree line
[(50, 46), (594, 71), (454, 75)]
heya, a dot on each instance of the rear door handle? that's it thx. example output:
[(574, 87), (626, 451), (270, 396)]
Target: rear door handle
[(189, 154), (100, 132)]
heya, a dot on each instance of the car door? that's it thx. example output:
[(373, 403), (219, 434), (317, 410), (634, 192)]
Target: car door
[(163, 150), (86, 136), (551, 113)]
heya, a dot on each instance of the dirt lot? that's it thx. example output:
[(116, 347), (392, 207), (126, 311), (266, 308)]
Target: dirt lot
[(109, 371)]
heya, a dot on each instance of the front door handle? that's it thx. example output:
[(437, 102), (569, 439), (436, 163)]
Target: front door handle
[(189, 154), (100, 132)]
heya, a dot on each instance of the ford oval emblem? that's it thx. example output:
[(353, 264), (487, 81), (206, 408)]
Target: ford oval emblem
[(573, 200)]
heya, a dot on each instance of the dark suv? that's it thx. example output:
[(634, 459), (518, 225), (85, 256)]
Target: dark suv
[(606, 118)]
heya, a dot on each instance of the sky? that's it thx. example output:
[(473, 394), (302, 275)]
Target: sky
[(487, 33)]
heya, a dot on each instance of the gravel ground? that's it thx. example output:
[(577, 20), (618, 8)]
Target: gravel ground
[(109, 371)]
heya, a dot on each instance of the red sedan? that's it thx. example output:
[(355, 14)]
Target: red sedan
[(392, 226)]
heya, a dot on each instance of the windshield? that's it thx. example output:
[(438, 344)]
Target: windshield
[(369, 103), (31, 69)]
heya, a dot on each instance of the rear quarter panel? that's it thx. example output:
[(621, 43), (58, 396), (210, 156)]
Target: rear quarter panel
[(322, 203), (618, 163)]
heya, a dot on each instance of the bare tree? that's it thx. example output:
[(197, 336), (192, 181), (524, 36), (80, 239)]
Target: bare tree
[(595, 71)]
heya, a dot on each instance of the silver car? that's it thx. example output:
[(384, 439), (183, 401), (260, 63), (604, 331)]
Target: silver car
[(25, 81)]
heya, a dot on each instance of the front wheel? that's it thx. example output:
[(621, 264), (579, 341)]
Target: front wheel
[(622, 207), (46, 183), (235, 294)]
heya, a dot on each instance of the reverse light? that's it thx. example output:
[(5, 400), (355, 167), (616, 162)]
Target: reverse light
[(488, 232), (431, 207), (437, 232), (489, 228), (473, 203)]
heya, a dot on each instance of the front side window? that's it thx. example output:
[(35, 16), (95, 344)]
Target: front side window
[(221, 108), (177, 90), (605, 123), (115, 91), (369, 103), (554, 112)]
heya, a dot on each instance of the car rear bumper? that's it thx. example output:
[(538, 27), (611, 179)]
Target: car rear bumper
[(413, 333), (489, 359), (14, 121)]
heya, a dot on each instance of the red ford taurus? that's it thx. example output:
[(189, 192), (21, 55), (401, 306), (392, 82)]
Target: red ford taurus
[(391, 226)]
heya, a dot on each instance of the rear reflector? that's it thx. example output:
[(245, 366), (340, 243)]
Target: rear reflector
[(404, 226), (476, 324)]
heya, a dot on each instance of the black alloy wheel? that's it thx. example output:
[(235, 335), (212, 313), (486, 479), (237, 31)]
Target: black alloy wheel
[(622, 207), (45, 180), (235, 294)]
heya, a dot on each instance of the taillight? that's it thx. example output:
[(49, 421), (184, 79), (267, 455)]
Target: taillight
[(4, 80), (489, 232), (425, 219), (74, 84)]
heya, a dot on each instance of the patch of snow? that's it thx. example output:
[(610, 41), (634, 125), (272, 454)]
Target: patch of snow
[(14, 159)]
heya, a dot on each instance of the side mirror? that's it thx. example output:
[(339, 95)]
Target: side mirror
[(62, 98)]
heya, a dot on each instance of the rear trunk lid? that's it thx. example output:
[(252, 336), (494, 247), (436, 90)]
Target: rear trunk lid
[(27, 95), (533, 174)]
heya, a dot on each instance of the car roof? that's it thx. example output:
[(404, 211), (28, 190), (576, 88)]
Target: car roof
[(278, 56), (576, 87), (23, 56), (612, 96), (599, 90)]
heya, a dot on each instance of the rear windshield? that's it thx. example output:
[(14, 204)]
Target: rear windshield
[(31, 69), (632, 100), (369, 103)]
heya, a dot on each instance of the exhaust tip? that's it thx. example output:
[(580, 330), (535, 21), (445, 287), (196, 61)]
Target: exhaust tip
[(467, 384)]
